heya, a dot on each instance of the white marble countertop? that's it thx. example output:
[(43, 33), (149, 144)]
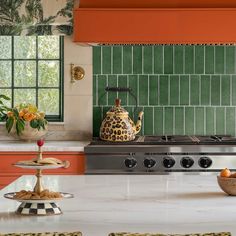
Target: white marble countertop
[(137, 203), (53, 146)]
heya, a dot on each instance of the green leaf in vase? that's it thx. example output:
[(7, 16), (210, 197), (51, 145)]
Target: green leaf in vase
[(34, 123), (9, 124)]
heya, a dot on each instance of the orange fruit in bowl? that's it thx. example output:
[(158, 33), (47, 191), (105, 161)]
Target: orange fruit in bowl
[(225, 173), (233, 175)]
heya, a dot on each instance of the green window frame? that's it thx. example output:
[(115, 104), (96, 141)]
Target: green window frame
[(37, 89)]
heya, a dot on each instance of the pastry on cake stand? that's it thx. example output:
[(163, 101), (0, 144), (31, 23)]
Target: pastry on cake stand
[(40, 201)]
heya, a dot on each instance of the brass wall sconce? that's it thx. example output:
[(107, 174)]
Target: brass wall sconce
[(77, 73)]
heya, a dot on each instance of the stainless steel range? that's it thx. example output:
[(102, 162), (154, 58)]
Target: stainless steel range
[(158, 154)]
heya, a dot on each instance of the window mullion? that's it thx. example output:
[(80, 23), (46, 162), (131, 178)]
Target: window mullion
[(12, 71), (61, 80), (37, 61)]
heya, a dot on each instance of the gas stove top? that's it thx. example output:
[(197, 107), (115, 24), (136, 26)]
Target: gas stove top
[(172, 140), (155, 154)]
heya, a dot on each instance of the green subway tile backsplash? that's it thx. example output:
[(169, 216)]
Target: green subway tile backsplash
[(230, 60), (127, 60), (168, 60), (158, 59), (178, 59), (106, 60), (117, 60), (189, 60), (181, 89)]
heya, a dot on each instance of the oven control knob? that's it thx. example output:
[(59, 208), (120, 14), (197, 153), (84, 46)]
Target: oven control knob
[(168, 162), (130, 162), (187, 162), (205, 162), (149, 163)]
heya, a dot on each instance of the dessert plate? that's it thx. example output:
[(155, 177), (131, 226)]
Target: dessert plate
[(64, 196), (38, 167)]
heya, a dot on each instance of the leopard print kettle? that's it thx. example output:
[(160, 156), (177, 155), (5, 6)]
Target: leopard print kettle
[(117, 125)]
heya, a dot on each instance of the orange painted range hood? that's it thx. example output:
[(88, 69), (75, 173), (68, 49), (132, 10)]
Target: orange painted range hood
[(155, 22)]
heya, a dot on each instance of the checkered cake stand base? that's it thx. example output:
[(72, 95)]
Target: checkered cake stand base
[(28, 208)]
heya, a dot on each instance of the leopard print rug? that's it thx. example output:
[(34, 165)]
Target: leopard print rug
[(198, 234), (44, 234)]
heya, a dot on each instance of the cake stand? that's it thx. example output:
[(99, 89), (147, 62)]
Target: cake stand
[(37, 207)]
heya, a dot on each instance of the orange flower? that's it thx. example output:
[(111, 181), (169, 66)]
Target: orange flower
[(25, 110), (28, 116), (9, 113), (21, 114)]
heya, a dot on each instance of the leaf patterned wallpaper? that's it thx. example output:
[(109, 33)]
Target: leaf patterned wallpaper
[(32, 17)]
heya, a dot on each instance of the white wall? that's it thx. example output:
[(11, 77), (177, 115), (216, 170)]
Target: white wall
[(78, 98)]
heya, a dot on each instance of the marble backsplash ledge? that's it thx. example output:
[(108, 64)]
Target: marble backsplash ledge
[(55, 133)]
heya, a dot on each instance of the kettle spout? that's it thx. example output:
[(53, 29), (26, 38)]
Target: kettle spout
[(139, 122)]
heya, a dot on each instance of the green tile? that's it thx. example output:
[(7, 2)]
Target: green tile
[(225, 90), (178, 59), (148, 121), (194, 89), (122, 82), (127, 59), (184, 90), (168, 59), (179, 120), (102, 84), (137, 59), (158, 121), (153, 90), (220, 120), (168, 123), (106, 60), (189, 120), (117, 60), (210, 121), (189, 59), (219, 59), (96, 60), (215, 90), (94, 90), (112, 82), (230, 60), (205, 89), (199, 121), (233, 90), (97, 120), (174, 89), (199, 59), (133, 84), (143, 90), (148, 60), (158, 59), (209, 59), (163, 89), (230, 120)]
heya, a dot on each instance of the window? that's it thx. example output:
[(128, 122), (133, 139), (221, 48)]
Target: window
[(31, 71)]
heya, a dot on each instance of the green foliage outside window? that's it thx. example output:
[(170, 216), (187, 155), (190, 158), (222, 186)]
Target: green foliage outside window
[(31, 72)]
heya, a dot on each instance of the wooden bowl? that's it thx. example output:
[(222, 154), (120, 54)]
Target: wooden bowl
[(228, 185)]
